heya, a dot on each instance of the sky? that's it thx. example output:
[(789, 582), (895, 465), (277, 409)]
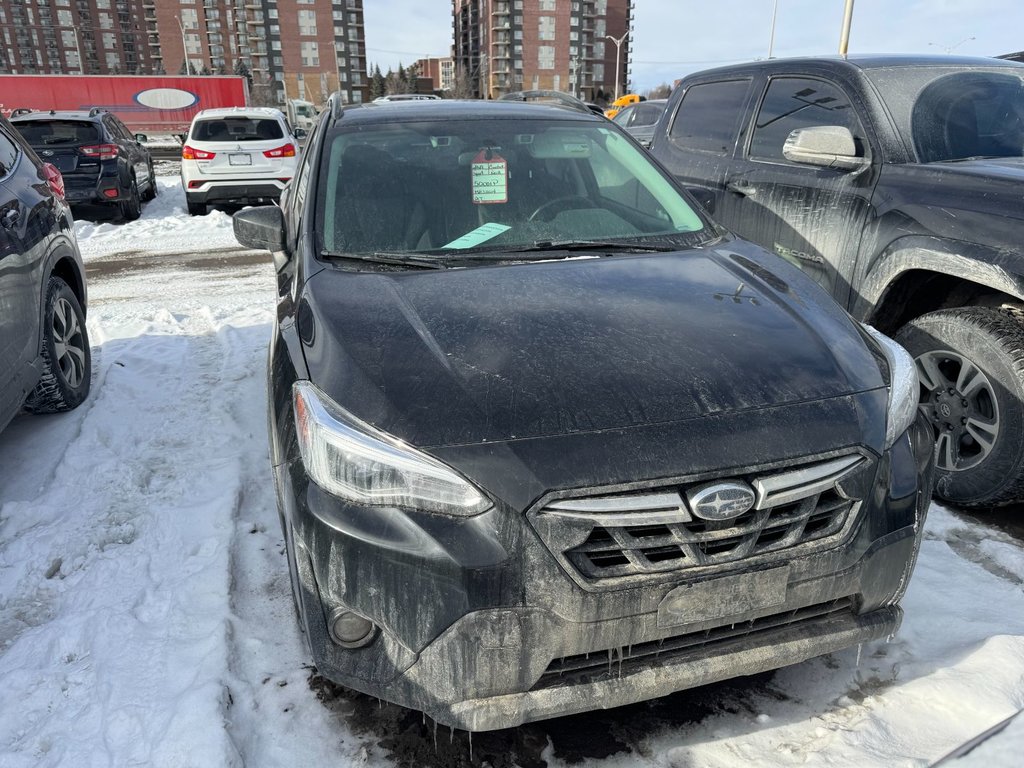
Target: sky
[(675, 37)]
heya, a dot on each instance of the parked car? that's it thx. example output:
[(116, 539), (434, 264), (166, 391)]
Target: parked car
[(44, 345), (545, 438), (405, 97), (895, 182), (239, 155), (100, 160), (639, 119)]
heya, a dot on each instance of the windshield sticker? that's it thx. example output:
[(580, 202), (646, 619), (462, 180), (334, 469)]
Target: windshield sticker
[(479, 235), (490, 178)]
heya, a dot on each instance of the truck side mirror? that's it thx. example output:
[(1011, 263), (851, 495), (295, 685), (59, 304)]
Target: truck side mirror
[(141, 138), (828, 146), (261, 228)]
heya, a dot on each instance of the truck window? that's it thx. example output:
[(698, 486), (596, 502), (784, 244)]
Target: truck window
[(706, 119), (795, 102)]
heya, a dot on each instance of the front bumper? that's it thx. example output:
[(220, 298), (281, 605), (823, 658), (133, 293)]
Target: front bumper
[(483, 628)]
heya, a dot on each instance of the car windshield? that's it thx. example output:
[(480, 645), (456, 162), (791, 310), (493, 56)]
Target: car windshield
[(48, 133), (237, 129), (458, 186), (951, 114)]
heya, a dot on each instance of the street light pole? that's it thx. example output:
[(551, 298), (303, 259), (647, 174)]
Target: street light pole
[(184, 48), (844, 37), (618, 57)]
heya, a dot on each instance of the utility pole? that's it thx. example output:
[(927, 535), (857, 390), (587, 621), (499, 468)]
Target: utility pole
[(184, 48), (771, 36), (618, 56), (844, 37)]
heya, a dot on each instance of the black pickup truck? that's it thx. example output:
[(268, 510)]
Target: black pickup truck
[(897, 182)]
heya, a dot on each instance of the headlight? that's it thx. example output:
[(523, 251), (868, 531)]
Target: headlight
[(361, 464), (904, 386)]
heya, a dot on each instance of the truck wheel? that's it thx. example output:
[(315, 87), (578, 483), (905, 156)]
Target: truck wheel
[(971, 365), (131, 208), (67, 364)]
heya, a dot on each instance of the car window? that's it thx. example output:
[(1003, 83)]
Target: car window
[(708, 115), (113, 128), (471, 184), (647, 114), (237, 128), (792, 103), (622, 118), (46, 133), (8, 154), (969, 114)]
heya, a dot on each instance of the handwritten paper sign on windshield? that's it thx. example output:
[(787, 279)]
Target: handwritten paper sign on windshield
[(490, 178)]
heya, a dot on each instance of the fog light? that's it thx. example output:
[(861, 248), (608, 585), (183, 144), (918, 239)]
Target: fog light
[(350, 630)]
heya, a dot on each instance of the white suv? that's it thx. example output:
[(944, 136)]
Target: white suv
[(237, 155)]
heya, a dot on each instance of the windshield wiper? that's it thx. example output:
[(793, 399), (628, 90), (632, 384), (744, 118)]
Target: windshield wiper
[(598, 245), (384, 257)]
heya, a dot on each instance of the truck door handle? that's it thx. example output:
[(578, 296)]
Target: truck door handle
[(741, 187), (10, 217)]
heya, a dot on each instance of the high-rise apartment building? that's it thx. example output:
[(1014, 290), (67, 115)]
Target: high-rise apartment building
[(297, 49), (568, 45)]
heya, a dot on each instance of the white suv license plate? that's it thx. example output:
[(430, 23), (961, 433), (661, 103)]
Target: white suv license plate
[(240, 159)]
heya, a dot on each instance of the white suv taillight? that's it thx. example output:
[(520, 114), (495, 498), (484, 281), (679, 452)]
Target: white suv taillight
[(191, 153), (288, 150), (54, 180), (100, 151)]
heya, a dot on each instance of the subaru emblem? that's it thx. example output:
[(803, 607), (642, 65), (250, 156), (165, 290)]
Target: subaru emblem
[(47, 153), (720, 501)]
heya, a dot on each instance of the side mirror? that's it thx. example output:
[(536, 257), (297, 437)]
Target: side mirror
[(261, 228), (141, 137), (828, 146), (300, 133)]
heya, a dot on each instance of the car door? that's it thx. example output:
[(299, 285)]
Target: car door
[(21, 246), (137, 156), (704, 125), (812, 216)]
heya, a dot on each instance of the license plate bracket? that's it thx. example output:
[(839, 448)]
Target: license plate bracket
[(724, 596), (243, 158)]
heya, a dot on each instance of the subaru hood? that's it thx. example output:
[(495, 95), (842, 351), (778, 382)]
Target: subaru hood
[(507, 352)]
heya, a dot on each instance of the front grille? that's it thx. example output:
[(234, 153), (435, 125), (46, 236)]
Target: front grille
[(586, 667), (655, 532)]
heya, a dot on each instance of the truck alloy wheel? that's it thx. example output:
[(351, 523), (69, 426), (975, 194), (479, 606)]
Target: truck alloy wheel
[(67, 364), (971, 365)]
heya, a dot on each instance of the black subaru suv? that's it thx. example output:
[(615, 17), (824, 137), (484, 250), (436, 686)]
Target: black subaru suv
[(100, 159), (547, 439), (44, 346)]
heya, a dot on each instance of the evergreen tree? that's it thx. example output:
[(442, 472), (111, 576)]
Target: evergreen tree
[(242, 70), (377, 85)]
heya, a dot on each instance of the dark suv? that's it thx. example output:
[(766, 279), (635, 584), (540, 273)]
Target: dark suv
[(547, 439), (100, 159), (44, 347)]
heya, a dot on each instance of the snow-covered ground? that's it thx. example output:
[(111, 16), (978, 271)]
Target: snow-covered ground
[(145, 614)]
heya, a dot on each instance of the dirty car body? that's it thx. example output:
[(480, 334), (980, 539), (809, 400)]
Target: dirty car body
[(546, 439)]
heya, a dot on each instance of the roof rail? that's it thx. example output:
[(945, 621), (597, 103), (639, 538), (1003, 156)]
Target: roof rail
[(95, 111), (21, 111)]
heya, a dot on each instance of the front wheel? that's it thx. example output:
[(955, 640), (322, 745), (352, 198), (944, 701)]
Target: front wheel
[(67, 363), (971, 365)]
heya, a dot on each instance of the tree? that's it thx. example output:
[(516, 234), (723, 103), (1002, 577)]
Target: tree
[(242, 70), (462, 85), (184, 68), (659, 91), (377, 84)]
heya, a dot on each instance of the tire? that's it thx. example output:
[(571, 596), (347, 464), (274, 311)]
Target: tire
[(131, 208), (196, 209), (151, 190), (971, 365), (67, 362)]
